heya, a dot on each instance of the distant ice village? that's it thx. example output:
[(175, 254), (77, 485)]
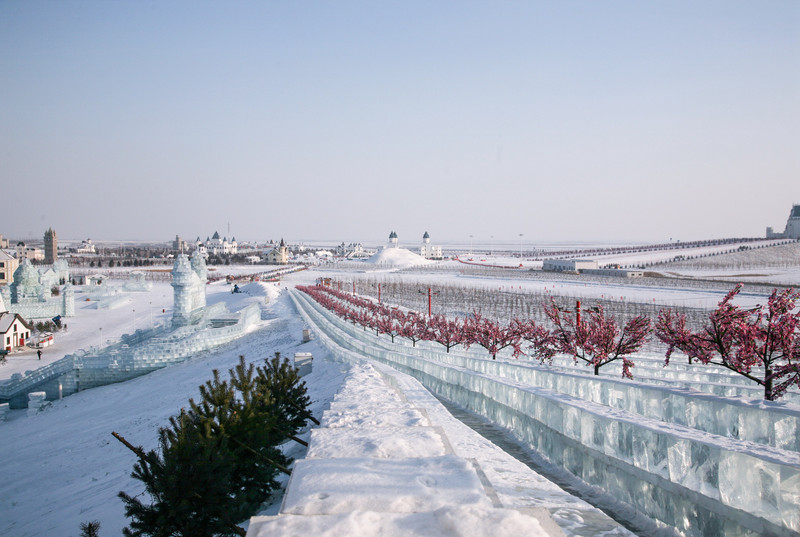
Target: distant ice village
[(412, 437)]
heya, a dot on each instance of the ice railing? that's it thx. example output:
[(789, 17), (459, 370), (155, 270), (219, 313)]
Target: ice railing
[(684, 477), (772, 423)]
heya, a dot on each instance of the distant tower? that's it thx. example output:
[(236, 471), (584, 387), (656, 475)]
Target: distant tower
[(792, 229), (392, 240), (50, 246)]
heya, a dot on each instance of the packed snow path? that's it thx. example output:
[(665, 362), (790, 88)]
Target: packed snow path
[(699, 482), (390, 460)]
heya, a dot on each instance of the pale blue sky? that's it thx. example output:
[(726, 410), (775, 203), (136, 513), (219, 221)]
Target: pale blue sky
[(573, 120)]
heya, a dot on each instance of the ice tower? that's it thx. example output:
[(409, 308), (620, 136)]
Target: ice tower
[(189, 289)]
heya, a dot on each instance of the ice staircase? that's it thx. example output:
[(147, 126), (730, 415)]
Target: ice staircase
[(389, 460)]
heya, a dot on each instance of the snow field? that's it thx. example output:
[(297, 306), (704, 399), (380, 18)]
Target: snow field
[(685, 477)]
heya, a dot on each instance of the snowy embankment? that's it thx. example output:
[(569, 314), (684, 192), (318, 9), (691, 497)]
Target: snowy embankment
[(686, 477), (389, 460)]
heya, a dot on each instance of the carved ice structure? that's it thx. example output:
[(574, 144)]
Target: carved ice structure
[(196, 328), (29, 293), (189, 285)]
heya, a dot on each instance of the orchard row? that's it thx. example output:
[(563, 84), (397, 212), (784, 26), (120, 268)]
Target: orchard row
[(761, 344)]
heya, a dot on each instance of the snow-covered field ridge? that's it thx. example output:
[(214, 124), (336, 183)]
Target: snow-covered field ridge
[(674, 464)]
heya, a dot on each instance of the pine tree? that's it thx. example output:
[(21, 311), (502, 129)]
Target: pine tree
[(217, 462), (90, 529), (188, 484)]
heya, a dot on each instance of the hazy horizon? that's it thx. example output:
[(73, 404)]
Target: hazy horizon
[(580, 121)]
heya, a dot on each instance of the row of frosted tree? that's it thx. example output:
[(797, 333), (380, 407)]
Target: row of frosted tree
[(761, 344)]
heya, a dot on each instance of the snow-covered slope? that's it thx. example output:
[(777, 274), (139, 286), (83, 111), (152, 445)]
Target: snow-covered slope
[(62, 467)]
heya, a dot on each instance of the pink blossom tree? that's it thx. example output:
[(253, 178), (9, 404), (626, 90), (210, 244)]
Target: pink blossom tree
[(596, 339), (447, 332), (761, 344), (415, 328), (490, 335), (388, 325), (542, 342)]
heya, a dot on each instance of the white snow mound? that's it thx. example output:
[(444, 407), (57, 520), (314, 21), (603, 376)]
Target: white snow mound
[(397, 257)]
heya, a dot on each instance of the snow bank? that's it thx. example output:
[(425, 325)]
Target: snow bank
[(397, 258), (451, 521), (396, 477)]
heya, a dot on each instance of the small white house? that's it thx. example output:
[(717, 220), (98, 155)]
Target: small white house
[(14, 331)]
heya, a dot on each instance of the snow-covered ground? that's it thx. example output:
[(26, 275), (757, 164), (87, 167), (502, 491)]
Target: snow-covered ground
[(62, 467), (450, 273)]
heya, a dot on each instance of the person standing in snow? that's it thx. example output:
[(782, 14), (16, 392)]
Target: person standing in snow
[(39, 353)]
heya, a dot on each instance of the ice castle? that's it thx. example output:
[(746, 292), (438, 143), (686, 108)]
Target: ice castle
[(30, 292)]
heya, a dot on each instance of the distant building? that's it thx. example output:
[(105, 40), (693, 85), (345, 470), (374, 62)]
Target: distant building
[(792, 229), (615, 272), (568, 265), (354, 249), (393, 240), (3, 242), (50, 246), (279, 255), (8, 264), (429, 251), (180, 245), (31, 253), (86, 247), (219, 246)]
